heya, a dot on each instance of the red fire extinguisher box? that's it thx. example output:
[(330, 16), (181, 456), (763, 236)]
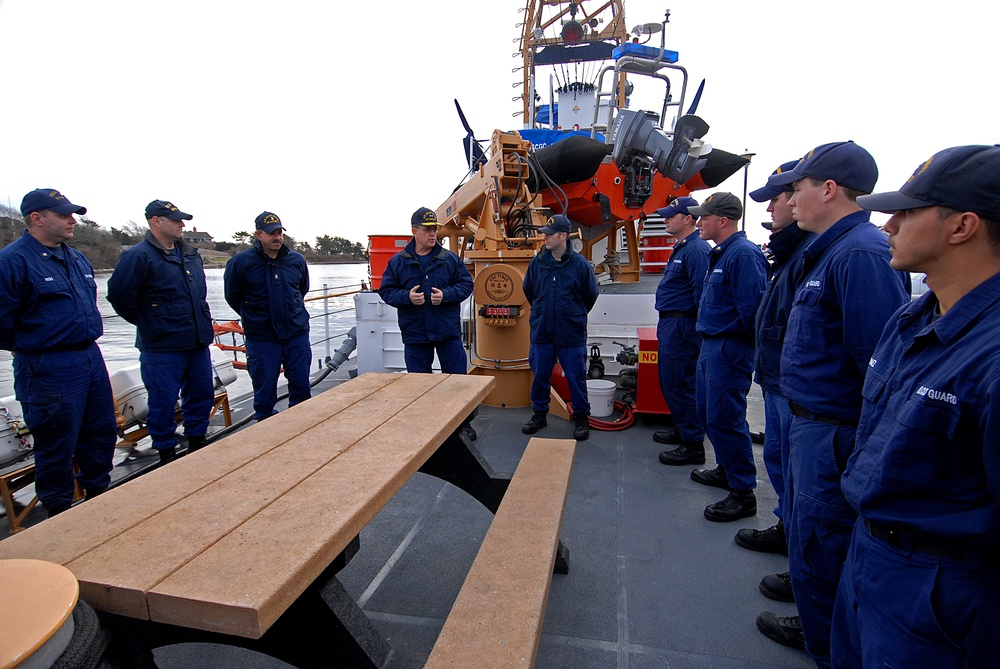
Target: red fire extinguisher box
[(648, 398)]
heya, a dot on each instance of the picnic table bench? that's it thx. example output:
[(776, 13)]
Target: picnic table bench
[(496, 620), (239, 542)]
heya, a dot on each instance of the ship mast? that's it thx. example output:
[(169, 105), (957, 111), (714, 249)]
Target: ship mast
[(556, 32)]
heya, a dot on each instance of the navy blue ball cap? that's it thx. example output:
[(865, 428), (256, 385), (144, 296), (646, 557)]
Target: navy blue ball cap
[(41, 199), (424, 216), (768, 192), (846, 163), (557, 223), (722, 204), (268, 222), (966, 178), (165, 209), (678, 206)]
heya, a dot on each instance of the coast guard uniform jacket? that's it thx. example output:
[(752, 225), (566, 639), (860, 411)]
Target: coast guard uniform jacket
[(561, 294), (48, 298), (787, 246), (845, 293), (49, 319), (684, 276), (928, 449), (737, 276), (163, 295), (921, 581), (426, 323), (267, 293)]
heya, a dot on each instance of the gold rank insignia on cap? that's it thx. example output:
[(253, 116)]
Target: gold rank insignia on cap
[(920, 170)]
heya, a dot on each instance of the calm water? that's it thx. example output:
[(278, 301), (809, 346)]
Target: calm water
[(118, 343)]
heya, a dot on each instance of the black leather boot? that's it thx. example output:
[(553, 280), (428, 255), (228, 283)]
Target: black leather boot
[(167, 455), (56, 509), (786, 630), (194, 443), (715, 477), (537, 422), (777, 587), (688, 454), (771, 540), (582, 430), (739, 504)]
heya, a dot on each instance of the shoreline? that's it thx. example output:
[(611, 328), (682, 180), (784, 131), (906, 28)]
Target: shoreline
[(108, 270)]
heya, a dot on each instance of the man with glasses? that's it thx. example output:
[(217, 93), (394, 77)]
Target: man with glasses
[(159, 286), (266, 285), (427, 284)]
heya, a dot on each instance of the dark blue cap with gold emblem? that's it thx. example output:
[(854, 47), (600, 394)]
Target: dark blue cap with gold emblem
[(268, 222), (767, 191), (424, 216), (557, 223), (966, 178), (678, 206), (845, 163), (41, 199), (165, 209)]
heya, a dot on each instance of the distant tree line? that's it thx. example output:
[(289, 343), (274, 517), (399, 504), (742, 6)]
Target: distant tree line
[(326, 248), (98, 244), (103, 246)]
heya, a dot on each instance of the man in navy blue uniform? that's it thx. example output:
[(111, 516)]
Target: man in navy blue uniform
[(737, 276), (49, 321), (678, 343), (561, 288), (265, 285), (845, 293), (921, 585), (159, 286), (784, 248), (427, 284)]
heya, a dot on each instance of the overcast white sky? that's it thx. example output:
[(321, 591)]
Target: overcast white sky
[(339, 116)]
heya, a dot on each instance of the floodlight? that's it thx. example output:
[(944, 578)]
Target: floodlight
[(572, 32)]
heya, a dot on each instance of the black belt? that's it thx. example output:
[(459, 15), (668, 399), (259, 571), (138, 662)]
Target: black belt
[(678, 314), (746, 339), (923, 543), (802, 412), (83, 346)]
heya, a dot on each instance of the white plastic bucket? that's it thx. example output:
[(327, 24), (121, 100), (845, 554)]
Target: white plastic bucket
[(601, 394)]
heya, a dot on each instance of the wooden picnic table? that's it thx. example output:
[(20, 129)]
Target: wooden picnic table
[(233, 537)]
